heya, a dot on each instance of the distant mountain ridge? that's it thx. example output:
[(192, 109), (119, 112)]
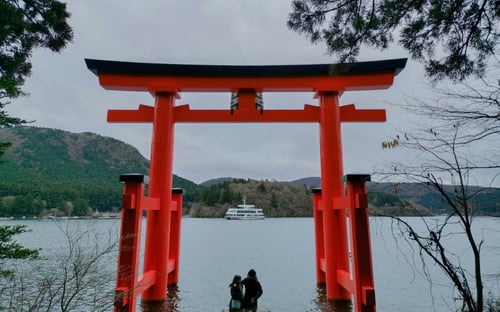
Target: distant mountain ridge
[(309, 181), (215, 181)]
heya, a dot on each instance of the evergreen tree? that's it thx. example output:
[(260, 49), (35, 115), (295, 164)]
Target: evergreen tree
[(80, 207), (21, 207), (24, 25), (227, 195), (262, 188), (274, 201), (467, 32), (10, 249)]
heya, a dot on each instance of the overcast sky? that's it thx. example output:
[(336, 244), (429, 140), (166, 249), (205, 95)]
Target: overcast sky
[(64, 94)]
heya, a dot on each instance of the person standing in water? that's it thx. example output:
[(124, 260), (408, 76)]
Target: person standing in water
[(253, 291), (236, 302)]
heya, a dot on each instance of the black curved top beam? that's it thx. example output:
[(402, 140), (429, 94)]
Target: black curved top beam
[(191, 70)]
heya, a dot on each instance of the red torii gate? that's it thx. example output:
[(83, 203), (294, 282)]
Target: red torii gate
[(164, 205)]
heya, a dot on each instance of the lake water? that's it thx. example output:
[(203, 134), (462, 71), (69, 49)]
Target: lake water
[(281, 250)]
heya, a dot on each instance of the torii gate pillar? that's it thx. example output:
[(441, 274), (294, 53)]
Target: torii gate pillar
[(158, 221), (334, 220), (344, 279)]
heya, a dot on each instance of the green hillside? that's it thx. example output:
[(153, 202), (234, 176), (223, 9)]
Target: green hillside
[(278, 199), (54, 172), (73, 174), (285, 199)]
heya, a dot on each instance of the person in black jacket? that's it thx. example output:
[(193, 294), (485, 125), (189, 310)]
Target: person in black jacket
[(236, 302), (253, 291)]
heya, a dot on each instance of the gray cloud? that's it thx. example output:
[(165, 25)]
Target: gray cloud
[(65, 95)]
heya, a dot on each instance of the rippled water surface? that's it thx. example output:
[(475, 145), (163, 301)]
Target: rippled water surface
[(281, 250)]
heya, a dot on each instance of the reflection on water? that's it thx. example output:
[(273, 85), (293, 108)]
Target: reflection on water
[(325, 305), (173, 299), (322, 304), (171, 304), (282, 252)]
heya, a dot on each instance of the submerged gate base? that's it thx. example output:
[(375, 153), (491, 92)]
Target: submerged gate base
[(164, 206), (358, 280), (129, 284)]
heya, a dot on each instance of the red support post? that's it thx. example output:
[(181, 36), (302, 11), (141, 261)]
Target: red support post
[(334, 219), (129, 249), (362, 268), (156, 252), (175, 237), (318, 234)]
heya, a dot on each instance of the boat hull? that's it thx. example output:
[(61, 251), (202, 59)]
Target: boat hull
[(245, 218)]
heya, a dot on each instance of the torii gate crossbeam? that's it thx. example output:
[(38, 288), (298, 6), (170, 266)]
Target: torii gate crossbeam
[(164, 205)]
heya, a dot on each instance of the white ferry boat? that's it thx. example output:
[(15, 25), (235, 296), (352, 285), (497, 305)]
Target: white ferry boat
[(244, 212)]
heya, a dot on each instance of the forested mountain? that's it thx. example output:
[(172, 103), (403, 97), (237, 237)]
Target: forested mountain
[(278, 199), (288, 199), (67, 173), (54, 172), (285, 199)]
